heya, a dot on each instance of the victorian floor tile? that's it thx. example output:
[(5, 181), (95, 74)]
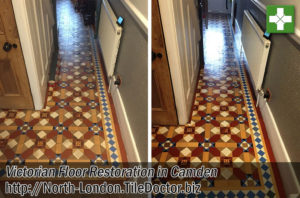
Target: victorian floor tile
[(77, 124), (225, 130)]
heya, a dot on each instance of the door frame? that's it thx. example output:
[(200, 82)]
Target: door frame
[(172, 46), (38, 88)]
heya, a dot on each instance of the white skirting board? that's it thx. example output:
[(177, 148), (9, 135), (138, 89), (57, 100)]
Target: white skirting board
[(287, 173), (126, 132)]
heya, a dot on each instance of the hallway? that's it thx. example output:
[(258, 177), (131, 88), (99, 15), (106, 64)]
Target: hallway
[(225, 130), (78, 122)]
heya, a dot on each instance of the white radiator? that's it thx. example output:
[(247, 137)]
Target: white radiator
[(109, 36), (256, 48)]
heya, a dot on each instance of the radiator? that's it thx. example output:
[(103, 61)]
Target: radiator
[(256, 48), (109, 33)]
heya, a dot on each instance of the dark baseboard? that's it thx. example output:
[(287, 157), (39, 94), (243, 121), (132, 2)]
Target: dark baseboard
[(53, 65)]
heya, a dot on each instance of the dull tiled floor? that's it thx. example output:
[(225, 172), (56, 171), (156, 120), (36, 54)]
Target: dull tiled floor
[(225, 130), (77, 123)]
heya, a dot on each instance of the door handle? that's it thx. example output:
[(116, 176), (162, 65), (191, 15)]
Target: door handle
[(156, 55), (7, 46)]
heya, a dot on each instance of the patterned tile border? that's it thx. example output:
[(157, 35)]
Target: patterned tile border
[(107, 117)]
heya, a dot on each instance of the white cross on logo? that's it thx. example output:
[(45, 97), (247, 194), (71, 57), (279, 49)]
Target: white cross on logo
[(280, 19)]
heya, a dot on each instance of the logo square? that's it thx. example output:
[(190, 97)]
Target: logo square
[(280, 19)]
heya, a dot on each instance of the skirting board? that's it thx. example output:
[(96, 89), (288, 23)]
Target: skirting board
[(126, 132), (288, 176)]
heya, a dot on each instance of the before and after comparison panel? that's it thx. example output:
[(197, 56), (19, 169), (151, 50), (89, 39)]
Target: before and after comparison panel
[(150, 98)]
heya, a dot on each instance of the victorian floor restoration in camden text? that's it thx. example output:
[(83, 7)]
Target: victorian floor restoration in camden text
[(68, 172)]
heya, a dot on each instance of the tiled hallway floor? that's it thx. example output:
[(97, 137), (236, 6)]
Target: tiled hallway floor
[(77, 123), (225, 130)]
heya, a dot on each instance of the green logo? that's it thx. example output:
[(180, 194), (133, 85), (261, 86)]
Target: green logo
[(280, 19)]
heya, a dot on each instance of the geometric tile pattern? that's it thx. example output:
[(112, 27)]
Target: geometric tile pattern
[(224, 130), (76, 124), (106, 112)]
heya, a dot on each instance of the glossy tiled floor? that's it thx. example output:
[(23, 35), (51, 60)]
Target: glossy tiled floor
[(224, 130), (77, 123)]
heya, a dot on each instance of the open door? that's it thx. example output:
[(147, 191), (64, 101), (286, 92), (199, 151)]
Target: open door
[(163, 105), (180, 20), (14, 86)]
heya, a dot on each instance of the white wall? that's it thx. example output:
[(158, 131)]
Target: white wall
[(35, 21)]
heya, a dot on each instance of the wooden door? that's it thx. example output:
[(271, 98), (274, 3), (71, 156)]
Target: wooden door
[(163, 105), (14, 87)]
